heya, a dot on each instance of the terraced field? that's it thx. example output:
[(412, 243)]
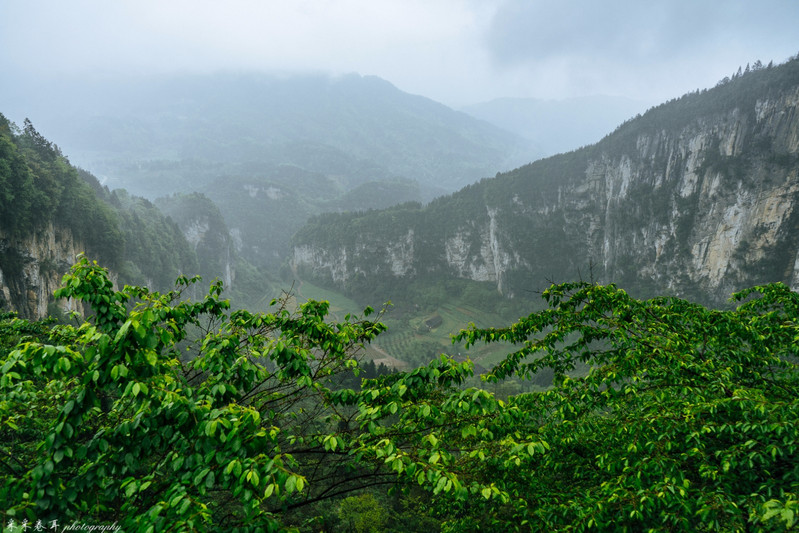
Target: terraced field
[(340, 306), (416, 343), (409, 341)]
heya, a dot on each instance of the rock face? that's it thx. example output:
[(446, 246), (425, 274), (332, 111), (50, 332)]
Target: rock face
[(712, 204), (213, 247), (31, 270), (205, 230), (697, 197)]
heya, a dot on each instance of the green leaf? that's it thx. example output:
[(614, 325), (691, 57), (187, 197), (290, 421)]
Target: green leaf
[(131, 488), (787, 516), (122, 331), (184, 506), (198, 479), (253, 478)]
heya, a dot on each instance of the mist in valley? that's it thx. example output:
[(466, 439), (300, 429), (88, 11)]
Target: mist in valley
[(279, 113), (245, 121), (441, 165)]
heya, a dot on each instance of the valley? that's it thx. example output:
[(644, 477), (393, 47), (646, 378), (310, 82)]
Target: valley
[(406, 318), (691, 198)]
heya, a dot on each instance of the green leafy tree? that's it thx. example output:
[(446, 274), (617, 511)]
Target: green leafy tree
[(168, 415), (17, 190), (140, 424), (687, 419), (363, 514)]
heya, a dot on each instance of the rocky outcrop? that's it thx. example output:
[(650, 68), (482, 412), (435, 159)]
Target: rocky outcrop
[(481, 253), (713, 205), (31, 269), (693, 198), (214, 248), (204, 228)]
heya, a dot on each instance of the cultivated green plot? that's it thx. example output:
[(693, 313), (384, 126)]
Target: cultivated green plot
[(339, 304), (419, 339)]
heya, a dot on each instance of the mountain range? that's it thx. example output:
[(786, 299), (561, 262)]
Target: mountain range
[(198, 128), (333, 180)]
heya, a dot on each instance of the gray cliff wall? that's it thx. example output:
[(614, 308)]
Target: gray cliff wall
[(31, 269), (713, 205), (214, 249), (706, 207)]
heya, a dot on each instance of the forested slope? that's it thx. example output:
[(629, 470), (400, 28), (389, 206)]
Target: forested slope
[(698, 196), (50, 211)]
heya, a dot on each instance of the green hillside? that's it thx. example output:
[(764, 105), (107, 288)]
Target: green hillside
[(41, 190)]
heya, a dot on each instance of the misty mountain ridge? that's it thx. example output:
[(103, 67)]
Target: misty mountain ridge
[(270, 150), (353, 128), (356, 128)]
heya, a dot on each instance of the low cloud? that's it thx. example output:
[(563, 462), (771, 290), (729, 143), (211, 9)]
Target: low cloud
[(455, 51)]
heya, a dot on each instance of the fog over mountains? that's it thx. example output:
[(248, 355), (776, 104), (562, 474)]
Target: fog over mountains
[(357, 128), (353, 127), (273, 150)]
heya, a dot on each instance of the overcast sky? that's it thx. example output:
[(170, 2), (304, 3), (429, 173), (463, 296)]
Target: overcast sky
[(454, 51)]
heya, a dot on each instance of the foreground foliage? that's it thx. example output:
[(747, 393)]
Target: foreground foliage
[(687, 420), (135, 422), (169, 415)]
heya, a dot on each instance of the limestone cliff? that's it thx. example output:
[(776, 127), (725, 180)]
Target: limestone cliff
[(699, 196), (204, 228), (31, 269)]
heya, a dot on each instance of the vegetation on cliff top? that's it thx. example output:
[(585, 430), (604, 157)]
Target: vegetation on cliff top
[(627, 203), (39, 186)]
